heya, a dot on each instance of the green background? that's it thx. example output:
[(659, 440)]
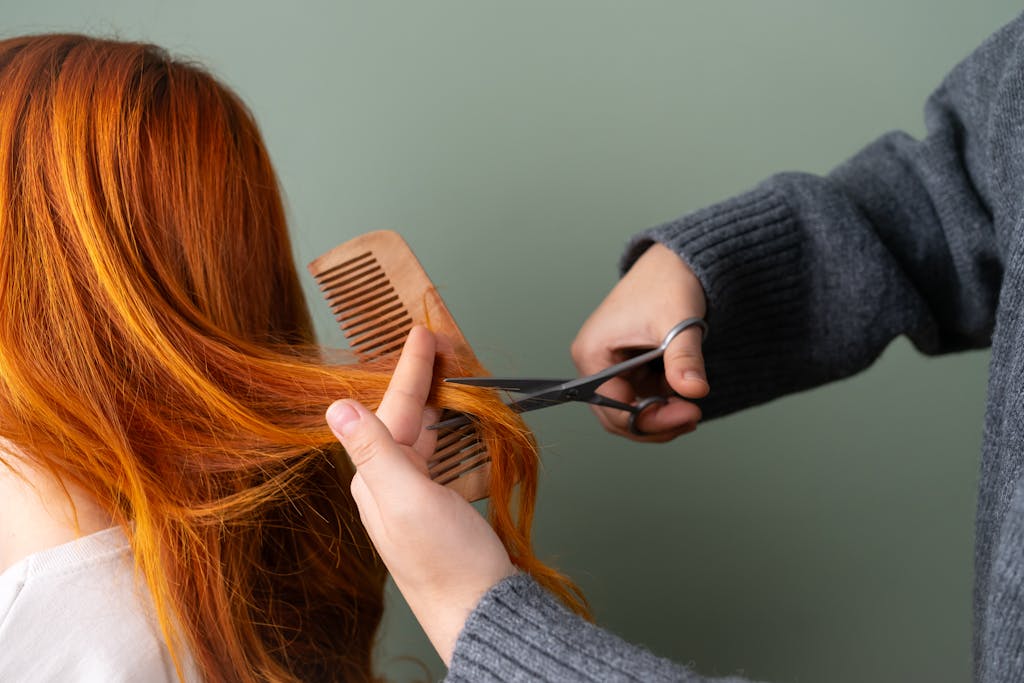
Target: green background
[(516, 145)]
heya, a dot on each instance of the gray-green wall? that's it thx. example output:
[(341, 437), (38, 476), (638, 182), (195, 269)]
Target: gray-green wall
[(824, 537)]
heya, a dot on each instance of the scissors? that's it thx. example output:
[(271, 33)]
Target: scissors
[(542, 393)]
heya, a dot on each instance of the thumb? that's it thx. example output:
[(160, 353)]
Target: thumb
[(370, 446), (684, 364)]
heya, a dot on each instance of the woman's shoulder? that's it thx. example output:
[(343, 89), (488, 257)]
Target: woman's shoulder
[(77, 611)]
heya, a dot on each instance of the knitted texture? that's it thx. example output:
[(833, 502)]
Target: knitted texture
[(519, 632), (808, 279)]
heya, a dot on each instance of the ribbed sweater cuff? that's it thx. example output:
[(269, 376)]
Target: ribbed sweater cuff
[(519, 632), (746, 252)]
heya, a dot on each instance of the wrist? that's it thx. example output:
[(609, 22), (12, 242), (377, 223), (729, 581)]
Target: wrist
[(442, 612)]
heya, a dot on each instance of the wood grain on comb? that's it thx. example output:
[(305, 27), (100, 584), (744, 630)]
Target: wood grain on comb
[(378, 291)]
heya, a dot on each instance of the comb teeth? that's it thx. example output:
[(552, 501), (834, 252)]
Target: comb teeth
[(458, 452), (366, 306), (377, 291)]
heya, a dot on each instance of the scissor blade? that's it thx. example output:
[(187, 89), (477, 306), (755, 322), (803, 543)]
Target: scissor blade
[(529, 403), (521, 385), (525, 405)]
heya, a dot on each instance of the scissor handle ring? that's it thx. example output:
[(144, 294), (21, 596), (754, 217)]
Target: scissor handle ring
[(642, 405), (686, 324)]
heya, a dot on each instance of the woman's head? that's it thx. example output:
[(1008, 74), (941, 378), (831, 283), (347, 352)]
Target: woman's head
[(156, 352), (132, 178), (144, 264)]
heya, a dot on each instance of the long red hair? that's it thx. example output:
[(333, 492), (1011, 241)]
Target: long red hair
[(156, 351)]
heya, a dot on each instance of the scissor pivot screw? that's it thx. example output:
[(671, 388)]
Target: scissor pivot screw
[(571, 394)]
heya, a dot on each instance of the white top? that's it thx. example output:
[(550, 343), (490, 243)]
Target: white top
[(76, 613)]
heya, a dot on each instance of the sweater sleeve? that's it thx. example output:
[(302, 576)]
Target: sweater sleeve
[(808, 278), (520, 632)]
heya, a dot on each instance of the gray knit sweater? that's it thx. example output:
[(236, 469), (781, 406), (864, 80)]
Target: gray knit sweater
[(808, 279)]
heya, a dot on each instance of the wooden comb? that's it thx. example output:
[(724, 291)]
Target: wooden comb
[(378, 291)]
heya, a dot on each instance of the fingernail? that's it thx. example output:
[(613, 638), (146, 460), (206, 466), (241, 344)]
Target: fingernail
[(694, 374), (342, 416)]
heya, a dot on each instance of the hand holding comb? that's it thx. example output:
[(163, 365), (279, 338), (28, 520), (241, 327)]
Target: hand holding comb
[(378, 291)]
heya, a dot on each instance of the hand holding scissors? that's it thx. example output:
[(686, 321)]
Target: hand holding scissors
[(543, 393)]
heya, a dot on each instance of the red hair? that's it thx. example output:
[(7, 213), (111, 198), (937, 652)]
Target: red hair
[(156, 351)]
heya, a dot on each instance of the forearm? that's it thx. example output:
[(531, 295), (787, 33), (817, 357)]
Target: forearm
[(519, 632)]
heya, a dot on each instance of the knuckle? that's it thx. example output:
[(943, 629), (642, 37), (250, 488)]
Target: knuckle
[(400, 395), (686, 352), (360, 449), (581, 354)]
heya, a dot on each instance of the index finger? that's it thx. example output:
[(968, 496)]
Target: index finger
[(401, 409)]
